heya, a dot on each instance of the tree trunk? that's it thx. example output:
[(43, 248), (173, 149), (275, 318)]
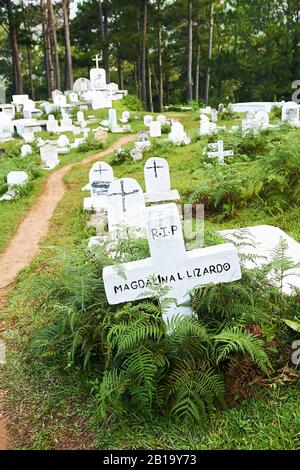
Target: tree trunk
[(197, 72), (190, 51), (143, 55), (28, 52), (149, 84), (105, 47), (68, 52), (17, 69), (210, 42), (47, 51), (120, 74), (160, 67), (53, 44)]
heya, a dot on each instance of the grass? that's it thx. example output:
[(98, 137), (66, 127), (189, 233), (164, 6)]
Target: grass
[(50, 407)]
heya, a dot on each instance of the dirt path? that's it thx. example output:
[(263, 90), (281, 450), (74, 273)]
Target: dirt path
[(25, 244)]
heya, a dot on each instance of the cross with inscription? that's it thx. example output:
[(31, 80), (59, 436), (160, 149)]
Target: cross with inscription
[(97, 60), (123, 193), (170, 265), (155, 167)]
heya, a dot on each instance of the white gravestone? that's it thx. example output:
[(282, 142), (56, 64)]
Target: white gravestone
[(49, 156), (26, 150), (220, 154), (63, 144), (136, 154), (125, 117), (158, 182), (147, 120), (82, 86), (206, 127), (262, 119), (28, 136), (162, 119), (290, 112), (80, 119), (143, 141), (98, 79), (6, 127), (177, 135), (258, 243), (126, 206), (52, 124), (66, 124), (100, 178), (170, 265), (16, 178), (155, 129)]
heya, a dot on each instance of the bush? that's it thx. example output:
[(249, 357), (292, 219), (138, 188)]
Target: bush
[(132, 103)]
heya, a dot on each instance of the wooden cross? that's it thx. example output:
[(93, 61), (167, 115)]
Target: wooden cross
[(97, 60), (220, 153), (123, 193), (155, 167)]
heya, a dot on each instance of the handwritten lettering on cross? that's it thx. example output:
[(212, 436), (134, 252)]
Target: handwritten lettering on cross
[(123, 193), (170, 265), (220, 154), (97, 60), (155, 167)]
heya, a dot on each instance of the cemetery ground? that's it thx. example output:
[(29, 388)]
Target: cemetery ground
[(52, 401)]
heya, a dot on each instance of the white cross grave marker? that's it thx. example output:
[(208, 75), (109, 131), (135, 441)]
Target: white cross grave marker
[(170, 265), (220, 153)]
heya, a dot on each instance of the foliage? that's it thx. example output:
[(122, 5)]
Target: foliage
[(133, 103)]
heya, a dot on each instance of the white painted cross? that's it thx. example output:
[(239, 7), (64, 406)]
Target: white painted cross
[(220, 154), (170, 265), (97, 60)]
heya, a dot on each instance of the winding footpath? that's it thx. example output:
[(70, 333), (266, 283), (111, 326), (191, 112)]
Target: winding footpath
[(25, 244)]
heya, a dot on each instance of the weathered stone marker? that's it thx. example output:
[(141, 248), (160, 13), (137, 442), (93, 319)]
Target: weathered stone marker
[(170, 265)]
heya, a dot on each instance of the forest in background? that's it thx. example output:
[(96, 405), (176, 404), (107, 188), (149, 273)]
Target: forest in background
[(163, 51)]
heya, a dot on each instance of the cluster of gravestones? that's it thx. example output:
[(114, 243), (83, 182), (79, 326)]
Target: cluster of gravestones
[(131, 213), (111, 124)]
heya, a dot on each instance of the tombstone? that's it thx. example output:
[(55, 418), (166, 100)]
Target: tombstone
[(262, 119), (256, 246), (80, 119), (14, 179), (82, 86), (52, 124), (155, 129), (177, 135), (98, 100), (143, 141), (26, 150), (125, 117), (147, 120), (29, 110), (126, 207), (19, 100), (162, 119), (170, 265), (206, 127), (112, 118), (219, 152), (221, 108), (100, 178), (206, 111), (6, 128), (290, 112), (136, 154), (28, 136), (49, 156), (158, 182), (73, 98), (63, 144), (98, 79), (214, 115), (100, 134), (58, 98), (66, 124)]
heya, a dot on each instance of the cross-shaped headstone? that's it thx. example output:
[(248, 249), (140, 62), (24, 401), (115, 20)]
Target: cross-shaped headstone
[(100, 178), (170, 265), (220, 154), (97, 60), (155, 166)]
